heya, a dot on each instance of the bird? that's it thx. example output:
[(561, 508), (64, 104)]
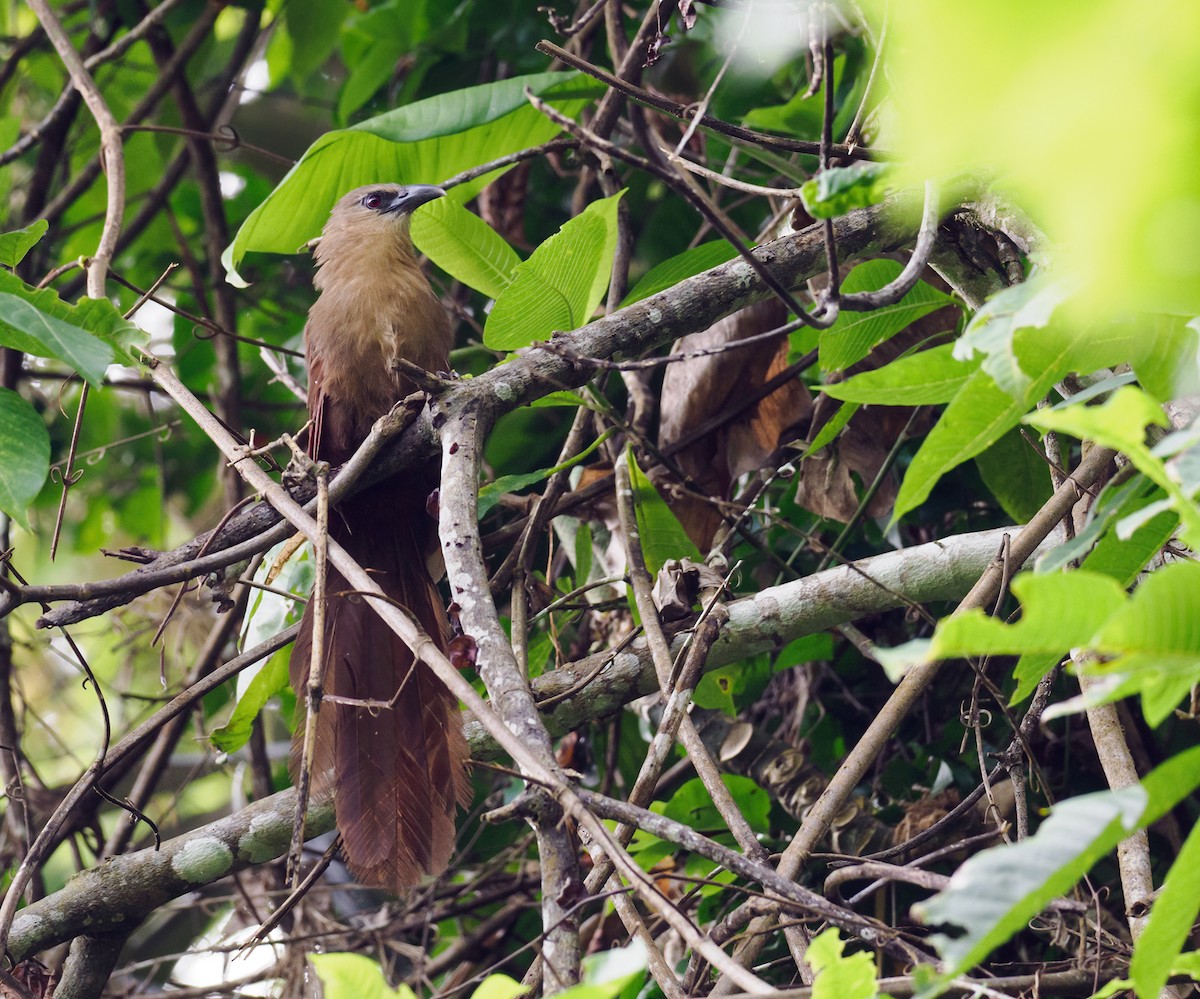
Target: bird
[(396, 772)]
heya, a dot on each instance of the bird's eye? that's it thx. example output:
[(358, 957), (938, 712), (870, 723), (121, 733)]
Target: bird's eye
[(373, 201)]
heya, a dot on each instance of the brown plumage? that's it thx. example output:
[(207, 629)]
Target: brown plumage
[(396, 773)]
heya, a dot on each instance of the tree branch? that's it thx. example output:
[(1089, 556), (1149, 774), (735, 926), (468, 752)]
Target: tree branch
[(128, 887)]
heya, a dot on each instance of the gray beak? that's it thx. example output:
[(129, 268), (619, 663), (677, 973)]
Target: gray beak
[(413, 197)]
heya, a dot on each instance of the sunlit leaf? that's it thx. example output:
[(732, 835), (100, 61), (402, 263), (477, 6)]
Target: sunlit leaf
[(1028, 87), (465, 246), (840, 975), (424, 142), (1057, 611), (562, 282), (1171, 919), (355, 976), (1120, 423)]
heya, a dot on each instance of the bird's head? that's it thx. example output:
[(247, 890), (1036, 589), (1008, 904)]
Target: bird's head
[(377, 212)]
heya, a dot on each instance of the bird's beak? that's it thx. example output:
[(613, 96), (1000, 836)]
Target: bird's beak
[(413, 197)]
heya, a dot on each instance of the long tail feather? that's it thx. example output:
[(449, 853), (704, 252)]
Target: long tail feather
[(395, 767)]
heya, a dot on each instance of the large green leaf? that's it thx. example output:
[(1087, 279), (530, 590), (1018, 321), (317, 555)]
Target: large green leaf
[(424, 142), (96, 317), (1153, 642), (1057, 611), (1170, 922), (1018, 89), (995, 893), (24, 455), (925, 378), (982, 412), (560, 285), (1108, 551), (853, 335), (991, 331), (1147, 644), (355, 976), (465, 246), (15, 244), (25, 327)]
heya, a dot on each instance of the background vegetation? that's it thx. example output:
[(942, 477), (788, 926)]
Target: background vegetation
[(842, 620)]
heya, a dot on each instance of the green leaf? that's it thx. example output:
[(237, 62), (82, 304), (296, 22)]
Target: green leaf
[(1118, 557), (804, 650), (98, 317), (355, 976), (565, 397), (995, 893), (560, 285), (982, 412), (24, 455), (991, 331), (683, 265), (263, 685), (374, 45), (269, 613), (840, 976), (423, 142), (1154, 641), (1026, 90), (499, 987), (840, 190), (734, 687), (978, 416), (925, 378), (15, 244), (1120, 423), (25, 327), (465, 246), (693, 806), (1057, 611), (833, 426), (1171, 919), (663, 537), (1017, 476), (854, 334), (313, 30), (489, 495)]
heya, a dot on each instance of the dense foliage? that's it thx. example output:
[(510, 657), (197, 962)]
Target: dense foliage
[(823, 416)]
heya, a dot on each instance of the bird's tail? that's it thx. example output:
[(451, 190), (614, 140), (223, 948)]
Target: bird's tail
[(395, 758)]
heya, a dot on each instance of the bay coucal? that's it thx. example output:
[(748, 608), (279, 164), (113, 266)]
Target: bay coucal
[(396, 772)]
